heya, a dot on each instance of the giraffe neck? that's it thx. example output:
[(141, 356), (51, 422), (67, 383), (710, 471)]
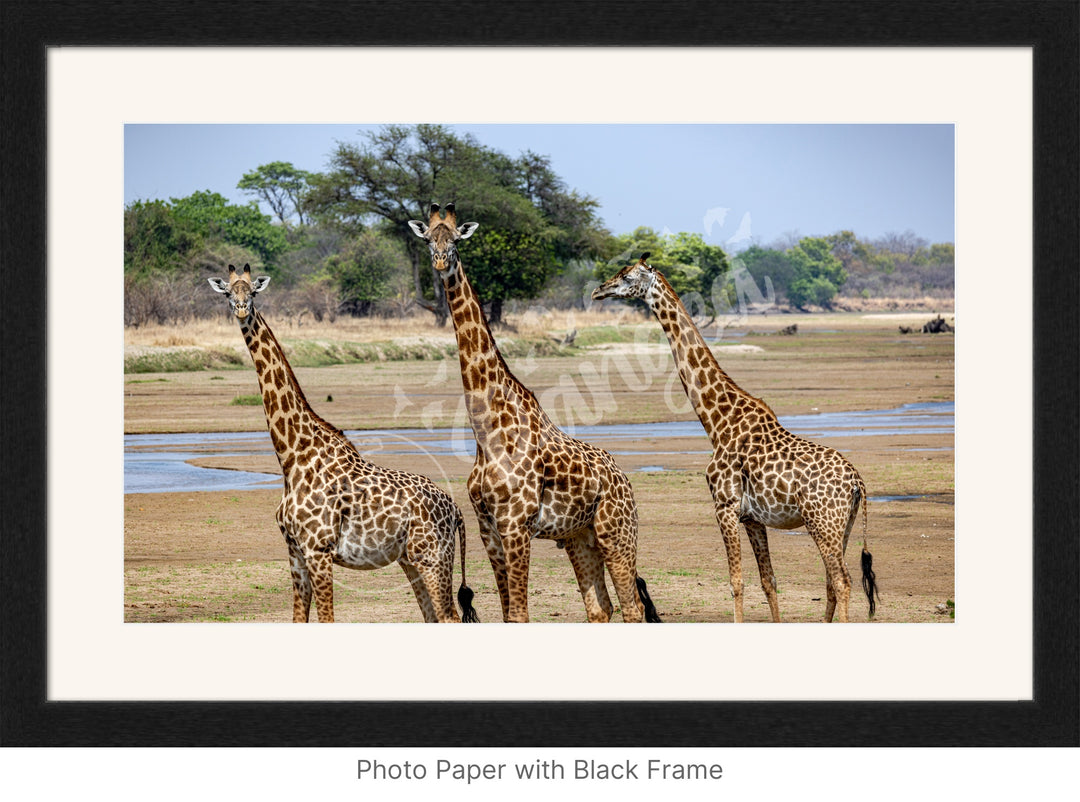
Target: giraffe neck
[(713, 394), (497, 403), (289, 417)]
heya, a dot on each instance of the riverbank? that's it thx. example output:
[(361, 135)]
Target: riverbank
[(832, 363), (219, 557)]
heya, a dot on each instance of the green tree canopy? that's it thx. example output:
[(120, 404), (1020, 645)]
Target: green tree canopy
[(818, 273), (156, 240), (364, 270), (711, 261), (524, 210), (769, 263), (282, 186), (212, 216), (505, 264)]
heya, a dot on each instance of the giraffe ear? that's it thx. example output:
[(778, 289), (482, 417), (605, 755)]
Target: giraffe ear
[(259, 284), (219, 284), (419, 227), (465, 230)]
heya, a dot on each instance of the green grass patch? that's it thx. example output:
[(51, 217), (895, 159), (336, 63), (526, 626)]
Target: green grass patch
[(322, 353), (177, 360), (247, 401)]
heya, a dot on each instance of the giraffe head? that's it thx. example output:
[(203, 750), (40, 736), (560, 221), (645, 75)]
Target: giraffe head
[(240, 290), (633, 281), (442, 235)]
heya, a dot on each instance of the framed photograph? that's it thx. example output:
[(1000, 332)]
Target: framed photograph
[(75, 672)]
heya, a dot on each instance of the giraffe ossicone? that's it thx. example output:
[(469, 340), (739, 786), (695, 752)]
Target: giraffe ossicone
[(760, 474), (337, 508), (530, 479)]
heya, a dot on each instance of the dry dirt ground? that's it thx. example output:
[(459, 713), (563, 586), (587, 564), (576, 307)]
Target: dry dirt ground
[(199, 557)]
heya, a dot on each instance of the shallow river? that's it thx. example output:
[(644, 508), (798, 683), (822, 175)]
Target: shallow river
[(158, 463)]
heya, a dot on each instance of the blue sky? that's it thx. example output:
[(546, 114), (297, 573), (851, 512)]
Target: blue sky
[(733, 184)]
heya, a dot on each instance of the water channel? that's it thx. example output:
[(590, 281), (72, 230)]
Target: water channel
[(160, 463)]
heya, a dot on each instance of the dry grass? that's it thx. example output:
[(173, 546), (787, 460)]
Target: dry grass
[(533, 323), (854, 304), (222, 331)]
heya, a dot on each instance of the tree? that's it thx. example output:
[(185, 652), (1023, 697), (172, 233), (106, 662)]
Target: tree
[(506, 264), (818, 273), (769, 263), (399, 170), (625, 248), (577, 231), (282, 186), (710, 260), (906, 244), (364, 270), (156, 240), (213, 217)]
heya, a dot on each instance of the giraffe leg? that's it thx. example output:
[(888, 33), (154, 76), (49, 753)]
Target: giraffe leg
[(423, 597), (838, 580), (588, 562), (431, 560), (724, 484), (615, 525), (830, 599), (489, 536), (301, 579), (321, 568), (516, 543), (301, 582), (760, 543), (728, 518)]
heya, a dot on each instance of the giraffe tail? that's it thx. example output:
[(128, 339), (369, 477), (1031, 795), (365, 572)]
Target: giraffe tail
[(651, 616), (869, 578), (465, 594)]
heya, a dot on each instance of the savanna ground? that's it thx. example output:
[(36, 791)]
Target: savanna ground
[(218, 556)]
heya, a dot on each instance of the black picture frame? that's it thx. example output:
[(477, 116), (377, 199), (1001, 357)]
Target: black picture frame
[(1052, 29)]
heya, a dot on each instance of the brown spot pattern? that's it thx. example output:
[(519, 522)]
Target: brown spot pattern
[(760, 474), (530, 479), (338, 508)]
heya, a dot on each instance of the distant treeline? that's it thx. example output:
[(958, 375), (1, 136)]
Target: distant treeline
[(338, 242)]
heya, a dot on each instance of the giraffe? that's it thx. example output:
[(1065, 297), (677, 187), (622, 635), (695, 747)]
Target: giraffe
[(530, 479), (336, 507), (760, 473)]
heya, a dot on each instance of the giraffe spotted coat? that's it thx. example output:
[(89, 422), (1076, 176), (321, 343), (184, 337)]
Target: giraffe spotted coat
[(530, 479), (337, 508), (760, 474)]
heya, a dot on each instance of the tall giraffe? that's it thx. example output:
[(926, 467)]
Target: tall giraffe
[(531, 479), (760, 474), (336, 506)]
